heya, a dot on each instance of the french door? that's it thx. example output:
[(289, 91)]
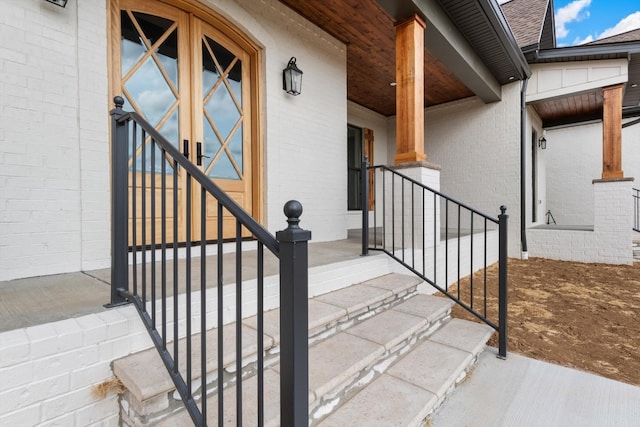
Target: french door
[(195, 85)]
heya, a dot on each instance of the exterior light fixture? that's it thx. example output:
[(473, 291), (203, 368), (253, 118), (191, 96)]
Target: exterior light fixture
[(292, 78), (61, 3), (542, 143)]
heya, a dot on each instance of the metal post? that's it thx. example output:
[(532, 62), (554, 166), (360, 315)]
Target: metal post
[(119, 204), (294, 353), (502, 283), (364, 181)]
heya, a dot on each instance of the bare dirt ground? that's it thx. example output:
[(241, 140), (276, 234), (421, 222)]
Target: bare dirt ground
[(584, 316)]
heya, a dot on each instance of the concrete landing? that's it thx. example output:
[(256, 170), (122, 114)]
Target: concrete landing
[(529, 393), (37, 300)]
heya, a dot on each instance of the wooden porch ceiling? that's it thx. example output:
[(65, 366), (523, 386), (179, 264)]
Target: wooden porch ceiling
[(368, 31), (571, 109)]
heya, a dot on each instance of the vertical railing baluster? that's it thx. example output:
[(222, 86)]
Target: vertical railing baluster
[(435, 237), (176, 280), (187, 280), (446, 244), (384, 210), (239, 323), (294, 318), (145, 246), (152, 149), (364, 178), (471, 261), (485, 267), (402, 215), (163, 241), (203, 301), (219, 237), (502, 283), (413, 227), (375, 208), (459, 232), (134, 218), (260, 334), (393, 213)]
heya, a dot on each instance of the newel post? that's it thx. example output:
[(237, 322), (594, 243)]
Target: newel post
[(119, 203), (502, 283), (294, 329)]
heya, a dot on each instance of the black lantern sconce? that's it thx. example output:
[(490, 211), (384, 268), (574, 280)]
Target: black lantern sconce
[(61, 3), (292, 78), (542, 143)]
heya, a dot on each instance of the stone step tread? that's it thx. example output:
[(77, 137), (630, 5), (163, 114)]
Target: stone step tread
[(145, 376), (423, 376), (336, 360), (342, 304)]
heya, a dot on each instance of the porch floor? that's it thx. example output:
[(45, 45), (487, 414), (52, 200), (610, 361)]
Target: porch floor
[(37, 300)]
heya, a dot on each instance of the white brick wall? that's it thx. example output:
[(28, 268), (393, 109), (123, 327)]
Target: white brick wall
[(478, 147), (609, 242), (40, 208), (574, 159), (48, 371)]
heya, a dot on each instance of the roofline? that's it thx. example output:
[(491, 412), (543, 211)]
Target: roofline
[(495, 16), (562, 53)]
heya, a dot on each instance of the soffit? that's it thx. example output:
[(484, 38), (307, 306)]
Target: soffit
[(366, 27)]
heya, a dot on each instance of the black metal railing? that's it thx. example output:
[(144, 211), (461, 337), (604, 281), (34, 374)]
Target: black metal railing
[(425, 231), (636, 210), (146, 210)]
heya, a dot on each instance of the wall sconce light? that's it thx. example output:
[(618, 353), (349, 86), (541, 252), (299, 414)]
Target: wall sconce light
[(61, 3), (542, 143), (292, 78)]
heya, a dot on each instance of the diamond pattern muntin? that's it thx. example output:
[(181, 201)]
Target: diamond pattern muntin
[(150, 92), (223, 111), (222, 119)]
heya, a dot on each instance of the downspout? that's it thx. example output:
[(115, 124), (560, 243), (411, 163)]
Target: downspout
[(523, 164)]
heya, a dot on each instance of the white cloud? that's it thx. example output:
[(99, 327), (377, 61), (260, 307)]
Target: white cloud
[(578, 41), (574, 11), (628, 23)]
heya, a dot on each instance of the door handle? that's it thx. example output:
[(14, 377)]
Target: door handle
[(185, 148), (199, 154)]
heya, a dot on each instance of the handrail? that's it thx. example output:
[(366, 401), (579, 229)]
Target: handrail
[(410, 233), (636, 210), (289, 246)]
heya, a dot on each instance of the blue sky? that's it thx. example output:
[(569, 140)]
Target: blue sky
[(582, 21)]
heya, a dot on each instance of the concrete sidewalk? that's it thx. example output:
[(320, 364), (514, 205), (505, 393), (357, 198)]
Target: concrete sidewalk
[(525, 392)]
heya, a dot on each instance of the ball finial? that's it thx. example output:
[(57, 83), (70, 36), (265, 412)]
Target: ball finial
[(503, 209), (119, 101), (293, 209)]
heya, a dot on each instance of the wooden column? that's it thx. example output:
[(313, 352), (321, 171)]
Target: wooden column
[(410, 91), (612, 132)]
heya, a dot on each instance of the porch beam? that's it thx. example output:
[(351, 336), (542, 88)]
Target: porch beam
[(410, 91), (445, 41), (612, 132)]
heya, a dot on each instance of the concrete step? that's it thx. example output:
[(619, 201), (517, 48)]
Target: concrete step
[(412, 389), (151, 393), (342, 364)]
